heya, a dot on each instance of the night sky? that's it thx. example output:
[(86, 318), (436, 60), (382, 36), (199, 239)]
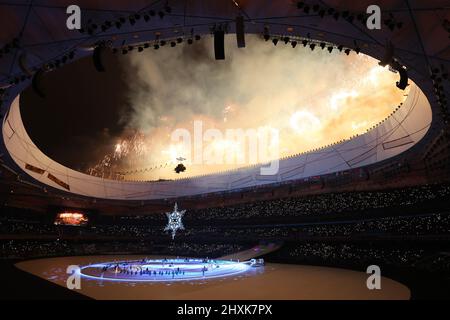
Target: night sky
[(81, 111)]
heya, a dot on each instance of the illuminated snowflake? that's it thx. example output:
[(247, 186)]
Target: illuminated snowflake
[(174, 222)]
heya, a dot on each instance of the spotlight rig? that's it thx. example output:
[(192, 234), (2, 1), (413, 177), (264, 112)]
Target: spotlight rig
[(438, 75), (392, 23)]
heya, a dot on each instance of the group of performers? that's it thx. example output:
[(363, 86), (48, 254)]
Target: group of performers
[(166, 268)]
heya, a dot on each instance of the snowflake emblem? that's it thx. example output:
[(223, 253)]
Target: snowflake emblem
[(175, 220)]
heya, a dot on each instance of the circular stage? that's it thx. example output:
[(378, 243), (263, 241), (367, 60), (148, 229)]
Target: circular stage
[(163, 270), (224, 279)]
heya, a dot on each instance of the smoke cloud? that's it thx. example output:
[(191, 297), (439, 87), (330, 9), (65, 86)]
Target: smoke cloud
[(312, 98)]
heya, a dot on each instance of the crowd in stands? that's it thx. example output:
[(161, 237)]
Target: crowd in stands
[(332, 203), (332, 238), (10, 249), (350, 252), (438, 223), (362, 255), (413, 225), (314, 205)]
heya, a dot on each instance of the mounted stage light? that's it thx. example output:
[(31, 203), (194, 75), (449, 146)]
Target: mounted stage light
[(173, 44), (190, 41), (97, 58), (179, 40), (347, 51), (322, 45), (403, 82), (305, 43), (156, 46), (312, 46), (161, 14), (275, 41), (140, 49), (266, 37), (340, 48), (219, 44), (198, 37), (163, 43), (240, 32), (15, 43), (294, 44), (388, 55), (36, 83), (286, 40), (391, 26), (146, 18), (23, 64), (330, 49)]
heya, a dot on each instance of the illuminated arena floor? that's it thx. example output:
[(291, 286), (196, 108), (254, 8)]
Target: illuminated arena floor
[(239, 281), (163, 270)]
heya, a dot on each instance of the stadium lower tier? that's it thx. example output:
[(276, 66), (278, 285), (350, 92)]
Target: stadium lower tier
[(406, 232), (218, 279), (429, 255), (423, 266)]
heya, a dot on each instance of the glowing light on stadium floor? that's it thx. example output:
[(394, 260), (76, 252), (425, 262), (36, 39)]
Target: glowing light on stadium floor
[(163, 270)]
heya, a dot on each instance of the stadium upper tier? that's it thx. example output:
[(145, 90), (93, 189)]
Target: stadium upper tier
[(402, 131), (397, 133)]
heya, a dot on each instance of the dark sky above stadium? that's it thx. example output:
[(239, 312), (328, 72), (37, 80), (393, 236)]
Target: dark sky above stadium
[(79, 116)]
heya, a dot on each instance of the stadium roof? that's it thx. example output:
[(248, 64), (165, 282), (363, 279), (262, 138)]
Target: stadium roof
[(36, 35)]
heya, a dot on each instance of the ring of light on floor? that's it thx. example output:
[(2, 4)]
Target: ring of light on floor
[(163, 270)]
